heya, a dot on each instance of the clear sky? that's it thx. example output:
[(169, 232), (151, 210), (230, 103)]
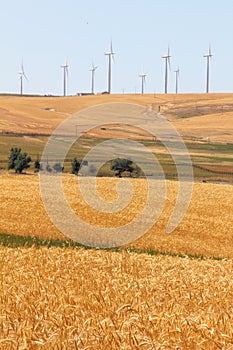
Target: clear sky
[(46, 33)]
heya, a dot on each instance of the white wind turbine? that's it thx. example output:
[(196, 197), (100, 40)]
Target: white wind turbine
[(65, 77), (22, 75), (167, 63), (208, 56), (110, 55), (177, 73), (143, 81), (93, 69)]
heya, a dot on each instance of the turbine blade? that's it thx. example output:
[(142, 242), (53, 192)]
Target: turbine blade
[(210, 50), (66, 68), (23, 72), (22, 68), (25, 76), (111, 51), (169, 63)]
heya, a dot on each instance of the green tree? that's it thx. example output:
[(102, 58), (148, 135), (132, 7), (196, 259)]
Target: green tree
[(14, 153), (37, 166), (76, 165), (18, 160), (121, 165)]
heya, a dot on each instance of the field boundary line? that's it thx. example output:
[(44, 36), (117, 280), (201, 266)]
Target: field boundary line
[(17, 241)]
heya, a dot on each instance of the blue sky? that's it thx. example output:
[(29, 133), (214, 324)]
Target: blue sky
[(47, 33)]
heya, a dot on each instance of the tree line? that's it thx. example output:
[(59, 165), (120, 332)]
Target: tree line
[(20, 161)]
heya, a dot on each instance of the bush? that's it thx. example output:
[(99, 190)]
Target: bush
[(58, 168), (48, 168)]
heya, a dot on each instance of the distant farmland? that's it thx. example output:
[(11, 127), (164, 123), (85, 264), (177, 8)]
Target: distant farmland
[(204, 121)]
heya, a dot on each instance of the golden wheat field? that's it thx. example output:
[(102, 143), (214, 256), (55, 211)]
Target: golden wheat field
[(55, 298), (207, 228)]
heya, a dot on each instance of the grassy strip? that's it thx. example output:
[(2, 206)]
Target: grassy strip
[(15, 241)]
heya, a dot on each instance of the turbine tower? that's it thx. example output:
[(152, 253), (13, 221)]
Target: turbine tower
[(208, 56), (21, 76), (93, 69), (177, 72), (143, 77), (167, 63), (110, 55), (65, 76)]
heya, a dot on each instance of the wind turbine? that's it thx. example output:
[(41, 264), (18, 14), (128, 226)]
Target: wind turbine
[(167, 63), (110, 55), (21, 76), (208, 56), (143, 77), (177, 72), (65, 76), (93, 69)]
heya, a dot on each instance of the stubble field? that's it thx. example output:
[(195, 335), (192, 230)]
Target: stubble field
[(206, 117)]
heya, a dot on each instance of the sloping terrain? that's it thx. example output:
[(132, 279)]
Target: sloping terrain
[(206, 117)]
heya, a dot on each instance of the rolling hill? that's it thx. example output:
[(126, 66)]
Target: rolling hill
[(199, 117)]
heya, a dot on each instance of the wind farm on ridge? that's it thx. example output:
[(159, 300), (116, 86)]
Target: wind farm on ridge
[(110, 59)]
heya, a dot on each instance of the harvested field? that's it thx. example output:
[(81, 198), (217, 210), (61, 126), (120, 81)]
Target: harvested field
[(207, 228), (91, 299), (196, 116)]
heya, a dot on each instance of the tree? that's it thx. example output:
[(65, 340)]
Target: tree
[(76, 165), (18, 160), (37, 166), (120, 165), (14, 153)]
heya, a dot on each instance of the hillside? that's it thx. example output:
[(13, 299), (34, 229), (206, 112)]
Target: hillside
[(205, 117)]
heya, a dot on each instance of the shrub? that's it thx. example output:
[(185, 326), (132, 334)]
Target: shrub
[(58, 168)]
